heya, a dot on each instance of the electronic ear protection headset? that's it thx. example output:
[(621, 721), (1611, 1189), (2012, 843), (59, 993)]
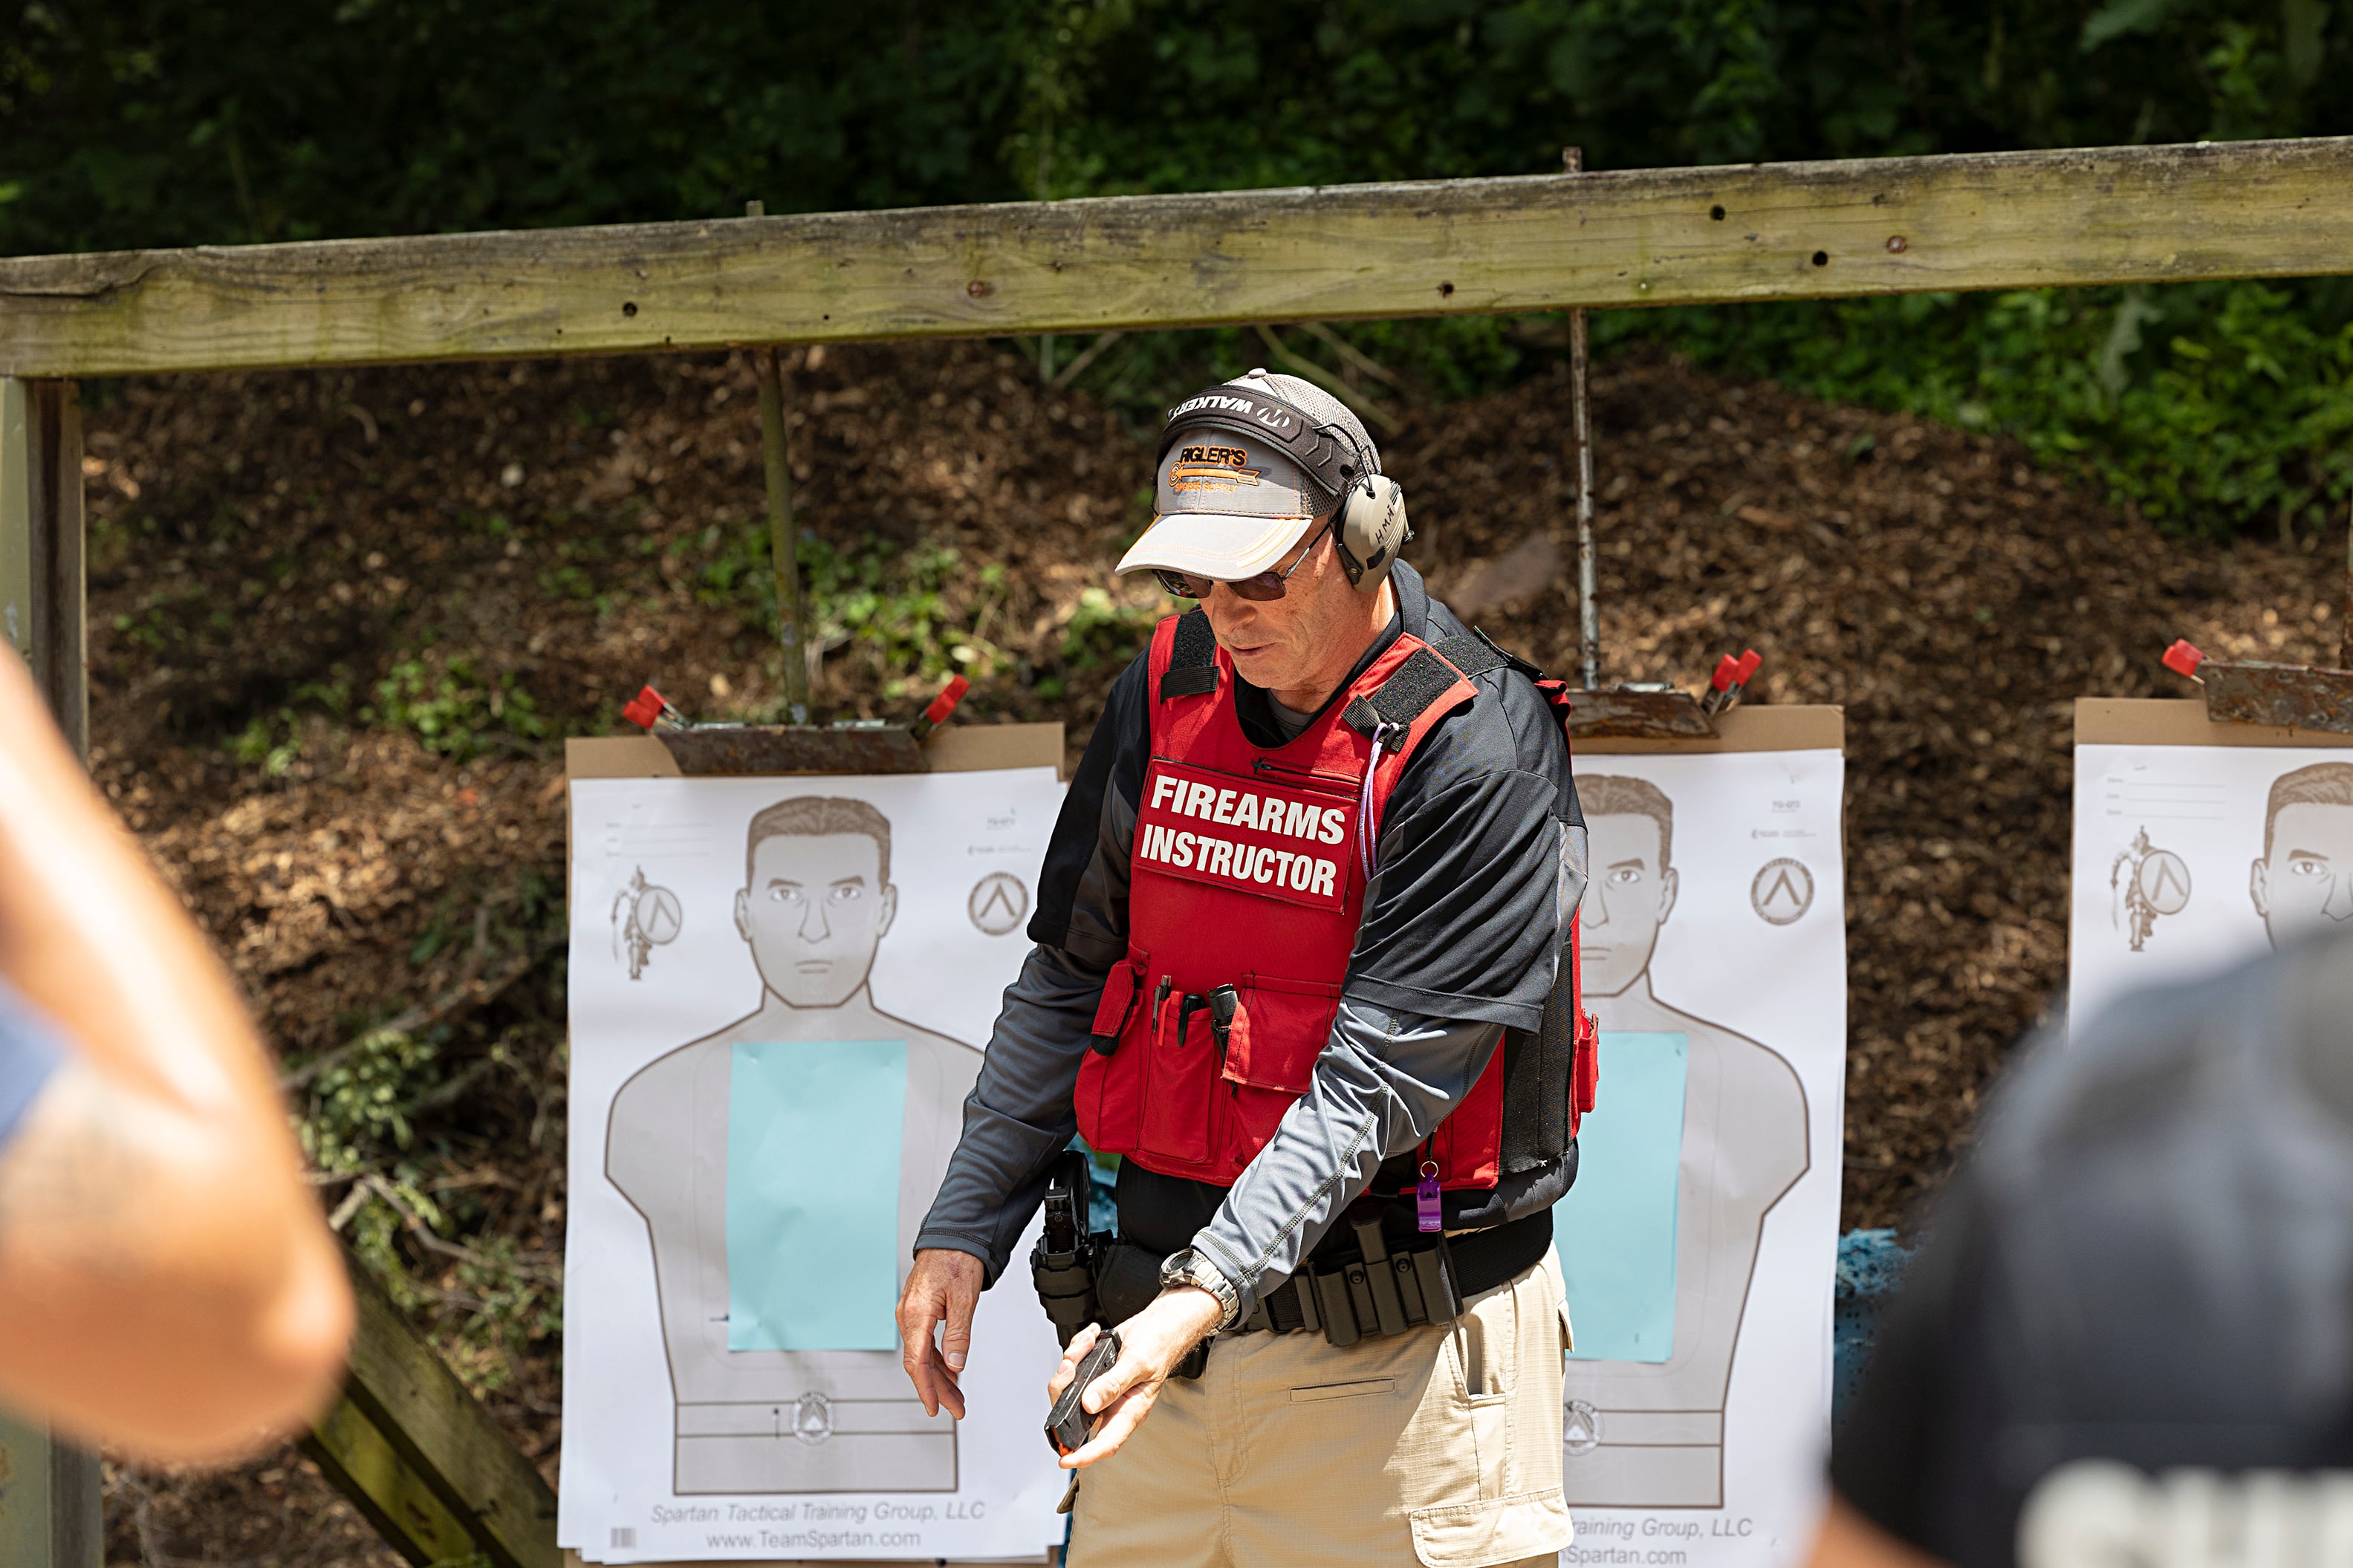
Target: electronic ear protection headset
[(1370, 527)]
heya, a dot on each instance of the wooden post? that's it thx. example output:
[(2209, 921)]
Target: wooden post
[(51, 1510), (2345, 611), (784, 539), (41, 544)]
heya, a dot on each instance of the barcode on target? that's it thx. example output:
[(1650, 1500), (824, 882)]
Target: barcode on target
[(624, 1536)]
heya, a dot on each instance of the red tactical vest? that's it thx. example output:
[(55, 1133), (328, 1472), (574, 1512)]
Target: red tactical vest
[(1249, 868)]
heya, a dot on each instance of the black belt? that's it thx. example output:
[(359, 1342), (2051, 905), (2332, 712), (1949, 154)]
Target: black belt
[(1383, 1290)]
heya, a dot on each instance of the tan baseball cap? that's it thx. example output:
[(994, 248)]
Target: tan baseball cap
[(1230, 504)]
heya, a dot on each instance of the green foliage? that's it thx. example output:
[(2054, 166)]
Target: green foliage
[(910, 613), (144, 123), (272, 742), (1107, 631), (2205, 406), (454, 708), (395, 1118), (151, 124)]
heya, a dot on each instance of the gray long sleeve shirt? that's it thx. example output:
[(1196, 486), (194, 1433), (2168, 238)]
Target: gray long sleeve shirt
[(1481, 861)]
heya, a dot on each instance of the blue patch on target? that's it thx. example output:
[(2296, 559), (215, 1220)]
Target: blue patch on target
[(1622, 1211), (813, 1135)]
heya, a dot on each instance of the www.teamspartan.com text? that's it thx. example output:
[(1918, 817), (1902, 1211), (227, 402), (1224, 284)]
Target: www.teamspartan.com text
[(814, 1526)]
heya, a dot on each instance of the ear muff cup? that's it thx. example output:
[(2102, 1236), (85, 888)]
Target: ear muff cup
[(1370, 531)]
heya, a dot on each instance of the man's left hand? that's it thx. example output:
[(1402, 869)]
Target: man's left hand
[(1151, 1343)]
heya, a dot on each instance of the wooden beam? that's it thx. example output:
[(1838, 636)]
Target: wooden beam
[(422, 1459), (366, 1466), (1731, 233)]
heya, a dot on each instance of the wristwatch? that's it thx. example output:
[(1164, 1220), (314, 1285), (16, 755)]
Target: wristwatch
[(1189, 1268)]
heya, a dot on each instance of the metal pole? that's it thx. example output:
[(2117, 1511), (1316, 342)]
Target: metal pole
[(782, 539), (43, 604), (1589, 614)]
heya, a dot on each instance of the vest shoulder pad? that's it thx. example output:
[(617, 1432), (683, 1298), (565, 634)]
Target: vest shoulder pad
[(1192, 657), (1414, 686), (1478, 653)]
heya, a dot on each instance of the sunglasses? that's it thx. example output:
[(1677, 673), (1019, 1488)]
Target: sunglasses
[(1264, 587)]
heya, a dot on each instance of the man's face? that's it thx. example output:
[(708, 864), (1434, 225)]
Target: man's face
[(2307, 881), (1282, 643), (814, 913), (1626, 902)]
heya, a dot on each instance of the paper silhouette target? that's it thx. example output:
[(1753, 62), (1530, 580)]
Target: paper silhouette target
[(1698, 1242), (762, 1121), (2165, 835), (778, 1258)]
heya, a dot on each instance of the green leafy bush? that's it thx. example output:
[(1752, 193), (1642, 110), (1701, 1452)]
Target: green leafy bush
[(2205, 406), (455, 709), (153, 123)]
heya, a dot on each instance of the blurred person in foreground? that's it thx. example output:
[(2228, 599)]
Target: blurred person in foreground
[(167, 1286), (2128, 1337)]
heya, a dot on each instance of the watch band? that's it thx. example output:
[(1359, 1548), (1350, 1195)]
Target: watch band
[(1189, 1268)]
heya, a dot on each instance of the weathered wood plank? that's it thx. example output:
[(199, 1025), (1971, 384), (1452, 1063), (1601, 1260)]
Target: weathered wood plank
[(1539, 243), (363, 1464), (41, 594), (429, 1431)]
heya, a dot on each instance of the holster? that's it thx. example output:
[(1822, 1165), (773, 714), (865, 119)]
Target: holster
[(1066, 1287), (1109, 1284)]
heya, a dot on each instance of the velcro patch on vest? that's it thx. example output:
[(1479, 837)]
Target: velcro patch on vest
[(1246, 835)]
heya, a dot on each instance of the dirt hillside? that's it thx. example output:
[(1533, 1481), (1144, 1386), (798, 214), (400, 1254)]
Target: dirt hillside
[(341, 623)]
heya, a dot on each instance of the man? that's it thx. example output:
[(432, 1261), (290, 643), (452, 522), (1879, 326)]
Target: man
[(1660, 1292), (167, 1285), (2126, 1338), (2304, 879), (1299, 960), (783, 1164)]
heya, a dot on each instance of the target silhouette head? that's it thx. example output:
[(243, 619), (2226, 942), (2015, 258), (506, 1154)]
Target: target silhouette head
[(2304, 879), (1631, 827), (818, 898)]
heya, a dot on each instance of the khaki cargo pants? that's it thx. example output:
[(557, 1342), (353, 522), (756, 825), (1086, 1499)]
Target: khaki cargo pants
[(1289, 1454)]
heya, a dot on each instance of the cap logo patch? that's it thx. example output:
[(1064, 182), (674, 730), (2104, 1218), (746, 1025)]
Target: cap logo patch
[(1210, 468)]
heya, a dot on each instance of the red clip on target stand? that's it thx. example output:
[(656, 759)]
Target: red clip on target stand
[(845, 746), (2247, 691), (2285, 696), (1730, 680)]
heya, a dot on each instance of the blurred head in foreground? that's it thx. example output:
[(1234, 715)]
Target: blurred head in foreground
[(2128, 1337)]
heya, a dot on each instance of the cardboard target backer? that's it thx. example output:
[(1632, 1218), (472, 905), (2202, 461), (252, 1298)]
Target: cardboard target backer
[(780, 990), (2197, 845), (1700, 1242)]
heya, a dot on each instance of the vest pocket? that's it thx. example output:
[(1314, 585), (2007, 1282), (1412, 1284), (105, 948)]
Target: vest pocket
[(1182, 1054), (1109, 1095), (1279, 1029)]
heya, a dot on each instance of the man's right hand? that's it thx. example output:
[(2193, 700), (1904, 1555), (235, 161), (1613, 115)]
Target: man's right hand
[(943, 1286)]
